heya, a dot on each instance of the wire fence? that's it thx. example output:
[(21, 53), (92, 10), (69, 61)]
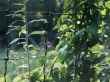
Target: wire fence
[(7, 52)]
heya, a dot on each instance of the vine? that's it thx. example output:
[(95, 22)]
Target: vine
[(79, 35)]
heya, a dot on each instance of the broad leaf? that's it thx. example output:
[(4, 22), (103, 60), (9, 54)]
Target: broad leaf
[(91, 29)]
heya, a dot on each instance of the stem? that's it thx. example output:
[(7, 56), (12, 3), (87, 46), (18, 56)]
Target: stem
[(27, 38), (46, 41), (44, 69), (5, 71)]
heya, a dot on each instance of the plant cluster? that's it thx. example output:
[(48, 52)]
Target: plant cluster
[(82, 54)]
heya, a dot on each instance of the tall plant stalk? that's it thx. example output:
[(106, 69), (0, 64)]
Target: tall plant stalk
[(27, 38)]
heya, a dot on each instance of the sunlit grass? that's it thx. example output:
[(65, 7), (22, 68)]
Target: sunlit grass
[(15, 67), (18, 68)]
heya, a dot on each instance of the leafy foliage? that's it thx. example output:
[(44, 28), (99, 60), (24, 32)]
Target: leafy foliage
[(80, 32), (82, 54)]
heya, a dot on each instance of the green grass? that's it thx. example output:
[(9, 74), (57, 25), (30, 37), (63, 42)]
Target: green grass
[(17, 69), (2, 55)]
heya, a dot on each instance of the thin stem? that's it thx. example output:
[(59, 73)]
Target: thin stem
[(6, 61), (5, 71), (46, 41), (7, 49), (27, 38), (54, 62), (46, 50)]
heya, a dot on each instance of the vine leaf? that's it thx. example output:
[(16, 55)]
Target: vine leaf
[(107, 4), (64, 48), (92, 29)]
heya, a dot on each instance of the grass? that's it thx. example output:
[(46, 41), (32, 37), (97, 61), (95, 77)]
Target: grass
[(17, 69), (2, 55)]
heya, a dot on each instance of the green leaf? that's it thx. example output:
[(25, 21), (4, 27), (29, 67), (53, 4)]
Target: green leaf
[(37, 32), (61, 20), (34, 21), (81, 3), (67, 3), (15, 40), (107, 4), (63, 48), (91, 29), (80, 33), (19, 4), (13, 29), (15, 23), (42, 60), (64, 27), (18, 11)]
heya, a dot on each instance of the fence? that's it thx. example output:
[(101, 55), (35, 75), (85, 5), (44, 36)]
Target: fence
[(48, 15)]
